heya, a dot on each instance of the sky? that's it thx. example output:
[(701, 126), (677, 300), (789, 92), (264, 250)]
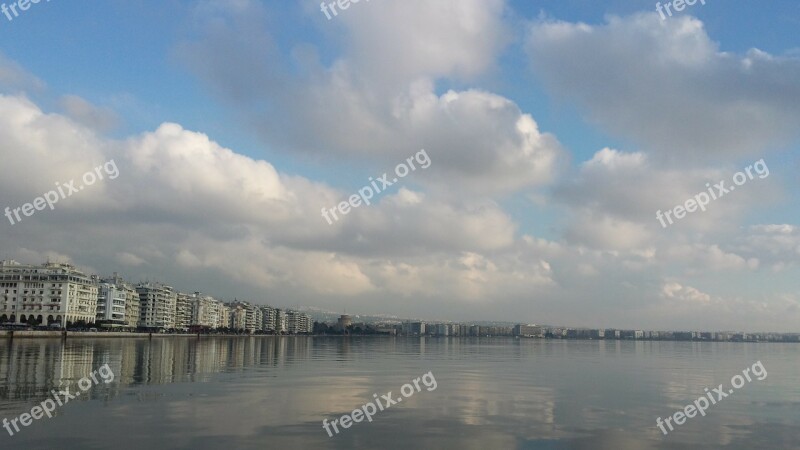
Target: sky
[(558, 134)]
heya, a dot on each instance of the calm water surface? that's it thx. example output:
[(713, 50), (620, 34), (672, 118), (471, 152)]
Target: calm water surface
[(272, 392)]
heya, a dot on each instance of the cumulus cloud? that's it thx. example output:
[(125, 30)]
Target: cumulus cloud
[(666, 84), (384, 111), (616, 195)]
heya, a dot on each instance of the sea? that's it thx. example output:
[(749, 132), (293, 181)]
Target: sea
[(270, 392)]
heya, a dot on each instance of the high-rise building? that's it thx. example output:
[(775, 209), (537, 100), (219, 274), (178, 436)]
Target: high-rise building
[(183, 311), (111, 305), (246, 317), (414, 328), (268, 318), (46, 294), (281, 322), (157, 303), (131, 299), (224, 316), (206, 312), (299, 323)]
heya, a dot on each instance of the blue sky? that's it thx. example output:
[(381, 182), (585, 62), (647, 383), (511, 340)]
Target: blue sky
[(521, 211)]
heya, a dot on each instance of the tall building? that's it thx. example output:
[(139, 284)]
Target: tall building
[(281, 322), (183, 311), (299, 323), (254, 319), (111, 305), (246, 317), (46, 294), (268, 318), (206, 312), (224, 316), (157, 303), (414, 328), (238, 316), (131, 319)]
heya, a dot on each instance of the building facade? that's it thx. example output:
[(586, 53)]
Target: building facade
[(183, 311), (157, 304), (111, 305), (299, 323), (206, 312), (46, 294)]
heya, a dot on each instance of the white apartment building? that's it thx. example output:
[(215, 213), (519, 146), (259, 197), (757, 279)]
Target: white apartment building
[(238, 317), (206, 311), (183, 311), (131, 299), (46, 294), (224, 316), (268, 318), (111, 304), (157, 304), (246, 317), (298, 322), (281, 322)]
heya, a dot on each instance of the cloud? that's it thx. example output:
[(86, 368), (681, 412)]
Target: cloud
[(384, 111), (615, 196), (666, 85), (129, 259)]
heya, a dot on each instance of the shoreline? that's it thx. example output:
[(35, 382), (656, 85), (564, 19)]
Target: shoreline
[(32, 334)]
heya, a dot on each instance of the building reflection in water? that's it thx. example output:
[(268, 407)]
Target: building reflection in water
[(31, 368)]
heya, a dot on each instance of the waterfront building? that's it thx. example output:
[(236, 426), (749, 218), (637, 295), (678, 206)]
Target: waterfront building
[(157, 305), (205, 311), (111, 305), (183, 311), (238, 316), (268, 318), (245, 317), (414, 328), (224, 316), (46, 294), (255, 319), (527, 331), (131, 298), (343, 322), (597, 334), (281, 322), (299, 323)]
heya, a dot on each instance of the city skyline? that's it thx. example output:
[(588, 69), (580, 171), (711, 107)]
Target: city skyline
[(193, 309)]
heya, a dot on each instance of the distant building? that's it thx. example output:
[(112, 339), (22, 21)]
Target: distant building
[(157, 304), (206, 312), (343, 322), (183, 311), (281, 322), (597, 334), (414, 328), (129, 317), (46, 294), (111, 305), (527, 331), (245, 317), (268, 319), (299, 323)]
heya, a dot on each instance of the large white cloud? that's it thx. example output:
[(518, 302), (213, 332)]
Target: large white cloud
[(377, 102), (666, 84)]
